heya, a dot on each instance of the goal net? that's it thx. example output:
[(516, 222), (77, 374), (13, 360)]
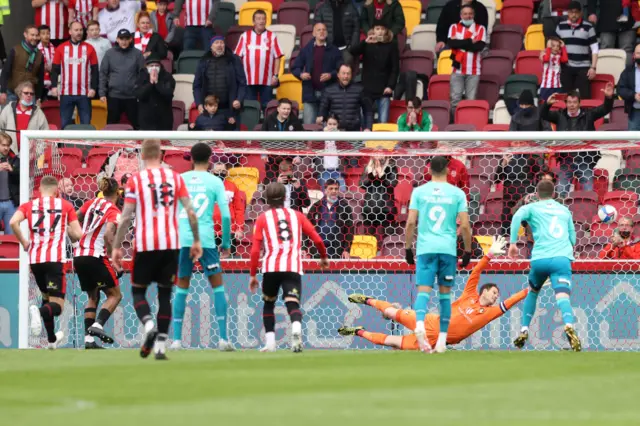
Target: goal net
[(374, 178)]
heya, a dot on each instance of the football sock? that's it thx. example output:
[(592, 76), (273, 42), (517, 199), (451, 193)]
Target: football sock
[(48, 312), (220, 305), (380, 305), (529, 308), (88, 320), (103, 316), (420, 305), (140, 303), (164, 309), (445, 311), (294, 311), (268, 316), (564, 304), (179, 306), (377, 338)]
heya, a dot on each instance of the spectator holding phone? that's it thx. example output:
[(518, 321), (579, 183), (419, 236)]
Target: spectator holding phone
[(297, 196), (622, 244)]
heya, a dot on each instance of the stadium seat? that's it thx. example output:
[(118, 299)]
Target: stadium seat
[(255, 161), (402, 196), (600, 182), (611, 61), (85, 183), (312, 127), (364, 246), (534, 38), (632, 159), (167, 63), (611, 161), (472, 112), (440, 111), (276, 4), (178, 109), (396, 109), (480, 180), (97, 156), (598, 84), (118, 126), (517, 83), (487, 163), (434, 10), (245, 16), (498, 63), (489, 89), (286, 34), (225, 17), (294, 13), (306, 36), (176, 160), (77, 127), (583, 205), (490, 5), (412, 10), (528, 62), (71, 159), (246, 179), (193, 113), (420, 61), (493, 203), (627, 179), (53, 127), (444, 63), (392, 247), (460, 128), (501, 114), (291, 88), (507, 37), (618, 115), (272, 106), (250, 113), (517, 12), (187, 62), (9, 246), (626, 202), (234, 33), (439, 88), (385, 127), (424, 37), (184, 88)]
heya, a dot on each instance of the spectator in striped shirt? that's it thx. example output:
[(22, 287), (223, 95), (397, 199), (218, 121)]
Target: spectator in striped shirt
[(48, 52), (553, 57), (83, 11), (148, 41), (54, 14), (198, 22), (580, 39)]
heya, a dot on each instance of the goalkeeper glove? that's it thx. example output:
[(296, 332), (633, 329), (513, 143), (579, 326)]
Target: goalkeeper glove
[(466, 259), (408, 256)]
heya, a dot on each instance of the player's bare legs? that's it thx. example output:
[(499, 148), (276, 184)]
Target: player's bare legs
[(96, 328), (143, 311), (179, 307), (220, 306), (445, 317), (269, 322)]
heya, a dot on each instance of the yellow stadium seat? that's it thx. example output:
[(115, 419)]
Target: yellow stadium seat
[(291, 88), (281, 70), (388, 145), (385, 127), (245, 17), (151, 6), (534, 38), (246, 179), (412, 10), (98, 114), (485, 242), (444, 63), (364, 247), (498, 5)]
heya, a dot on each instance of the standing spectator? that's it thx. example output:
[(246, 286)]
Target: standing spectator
[(622, 244), (237, 206), (342, 22), (297, 196), (382, 12), (526, 117), (415, 119), (580, 39), (211, 118), (146, 40), (24, 63), (380, 68), (261, 56), (332, 218), (346, 100), (450, 15), (163, 22), (54, 14), (457, 174), (118, 74), (66, 190), (76, 63), (573, 118), (83, 11), (466, 40), (48, 52), (629, 90), (330, 166), (9, 181), (378, 180), (282, 120), (613, 23), (154, 91), (199, 22), (316, 66), (118, 16), (22, 114), (100, 44), (553, 58), (220, 74)]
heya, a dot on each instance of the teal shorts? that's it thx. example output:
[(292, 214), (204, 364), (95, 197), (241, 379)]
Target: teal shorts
[(210, 262), (431, 266), (558, 269)]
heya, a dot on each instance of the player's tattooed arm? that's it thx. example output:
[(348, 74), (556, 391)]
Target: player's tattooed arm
[(193, 219), (125, 224), (109, 236)]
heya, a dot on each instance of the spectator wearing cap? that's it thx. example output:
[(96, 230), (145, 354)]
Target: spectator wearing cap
[(450, 15), (629, 90), (316, 66), (283, 119), (117, 16), (526, 116), (219, 73), (154, 92), (382, 12), (211, 118), (580, 39), (118, 76), (415, 119), (198, 23), (22, 114), (100, 44), (24, 63), (164, 24), (148, 41), (613, 25), (457, 174), (622, 245), (342, 22)]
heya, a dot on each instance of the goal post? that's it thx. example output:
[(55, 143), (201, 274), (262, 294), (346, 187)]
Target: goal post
[(369, 256)]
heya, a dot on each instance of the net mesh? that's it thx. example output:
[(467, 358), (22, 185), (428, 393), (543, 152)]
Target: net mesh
[(366, 239)]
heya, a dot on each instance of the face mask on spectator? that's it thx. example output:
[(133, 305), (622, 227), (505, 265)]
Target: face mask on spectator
[(27, 103), (153, 68), (467, 22), (625, 234)]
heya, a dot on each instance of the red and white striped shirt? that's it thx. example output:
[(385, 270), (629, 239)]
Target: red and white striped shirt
[(76, 61), (97, 214), (469, 61), (141, 40), (259, 53), (48, 218), (84, 10), (48, 53), (280, 232), (54, 14), (198, 12), (551, 65), (156, 193)]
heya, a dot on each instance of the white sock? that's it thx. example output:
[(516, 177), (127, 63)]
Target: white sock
[(148, 326), (270, 338), (296, 327), (160, 346), (569, 325), (442, 339), (419, 325), (89, 339), (524, 329), (97, 325)]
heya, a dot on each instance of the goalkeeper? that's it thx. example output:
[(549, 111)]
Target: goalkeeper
[(472, 311)]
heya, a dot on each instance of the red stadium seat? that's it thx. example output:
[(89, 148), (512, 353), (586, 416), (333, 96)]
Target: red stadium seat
[(402, 40), (498, 63), (233, 35), (276, 4), (272, 106), (598, 84), (167, 63), (402, 195), (489, 89), (496, 128), (118, 126), (440, 111), (493, 205), (460, 128), (480, 180), (618, 115), (583, 205), (176, 160), (71, 159), (517, 12), (193, 113), (438, 89), (600, 182), (488, 163), (306, 35), (393, 247), (9, 246), (352, 176), (51, 110), (507, 37), (528, 62), (396, 109), (473, 112), (626, 202), (420, 61), (178, 108), (294, 13), (97, 156)]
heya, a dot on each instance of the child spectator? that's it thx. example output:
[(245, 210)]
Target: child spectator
[(100, 44), (552, 59), (48, 52), (331, 166), (415, 119), (210, 119)]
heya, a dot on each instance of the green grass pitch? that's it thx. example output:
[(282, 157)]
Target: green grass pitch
[(324, 388)]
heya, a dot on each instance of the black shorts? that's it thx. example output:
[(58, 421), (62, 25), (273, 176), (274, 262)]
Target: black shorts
[(290, 282), (50, 278), (159, 266), (95, 273)]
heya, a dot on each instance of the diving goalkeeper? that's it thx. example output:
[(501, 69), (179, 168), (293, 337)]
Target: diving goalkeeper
[(472, 311)]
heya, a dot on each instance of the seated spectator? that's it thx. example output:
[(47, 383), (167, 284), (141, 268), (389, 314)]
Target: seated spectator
[(237, 205), (342, 22), (622, 245), (613, 22), (382, 12), (380, 67), (211, 119), (347, 100), (297, 197), (164, 24), (83, 11), (457, 174), (629, 90), (316, 66), (146, 40), (48, 53), (154, 92), (65, 188), (450, 15), (24, 63), (9, 181), (553, 57), (467, 40), (378, 180), (415, 119), (118, 16), (330, 166), (572, 118), (332, 218), (282, 120), (100, 44), (23, 114), (526, 117)]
